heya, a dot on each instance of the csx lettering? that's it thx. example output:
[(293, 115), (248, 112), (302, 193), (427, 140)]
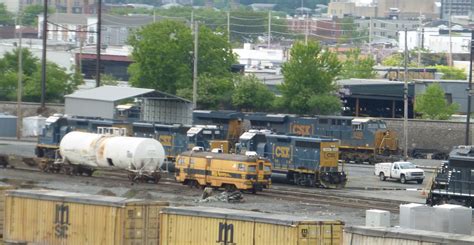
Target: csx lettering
[(330, 155), (283, 152), (300, 129), (165, 140)]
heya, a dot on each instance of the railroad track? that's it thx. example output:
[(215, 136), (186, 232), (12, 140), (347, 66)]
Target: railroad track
[(281, 192), (334, 200)]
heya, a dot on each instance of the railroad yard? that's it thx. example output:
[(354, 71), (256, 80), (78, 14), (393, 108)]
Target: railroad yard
[(363, 191)]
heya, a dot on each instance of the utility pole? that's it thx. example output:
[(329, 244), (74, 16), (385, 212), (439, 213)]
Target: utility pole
[(192, 20), (450, 62), (306, 28), (43, 55), (195, 64), (19, 116), (420, 38), (405, 99), (99, 40), (469, 94), (370, 35), (269, 29), (228, 26)]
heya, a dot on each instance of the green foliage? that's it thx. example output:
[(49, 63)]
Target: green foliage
[(6, 18), (351, 34), (108, 79), (251, 94), (427, 58), (451, 73), (397, 60), (163, 55), (30, 14), (355, 66), (213, 92), (309, 80), (58, 84), (433, 105), (245, 24)]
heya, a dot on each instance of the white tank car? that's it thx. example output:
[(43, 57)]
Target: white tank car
[(96, 150)]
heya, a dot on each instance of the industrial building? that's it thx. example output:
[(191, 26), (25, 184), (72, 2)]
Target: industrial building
[(113, 102)]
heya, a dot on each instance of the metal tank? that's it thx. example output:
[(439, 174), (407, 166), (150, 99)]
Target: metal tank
[(96, 150)]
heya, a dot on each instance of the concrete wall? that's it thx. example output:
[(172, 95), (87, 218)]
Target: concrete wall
[(425, 134), (30, 109)]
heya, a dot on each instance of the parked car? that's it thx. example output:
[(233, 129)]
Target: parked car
[(403, 171)]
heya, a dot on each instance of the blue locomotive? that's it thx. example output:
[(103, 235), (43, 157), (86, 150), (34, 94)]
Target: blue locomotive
[(362, 139), (454, 181), (174, 138), (306, 161)]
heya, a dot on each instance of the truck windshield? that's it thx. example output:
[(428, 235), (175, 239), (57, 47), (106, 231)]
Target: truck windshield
[(407, 165)]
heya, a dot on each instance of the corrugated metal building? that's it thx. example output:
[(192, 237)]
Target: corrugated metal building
[(153, 106), (7, 125)]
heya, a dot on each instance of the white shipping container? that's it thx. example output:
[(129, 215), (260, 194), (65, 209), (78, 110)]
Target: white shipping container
[(416, 216), (32, 126), (377, 218), (452, 219)]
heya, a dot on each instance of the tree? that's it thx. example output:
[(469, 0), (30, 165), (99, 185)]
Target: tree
[(58, 84), (357, 67), (31, 12), (163, 56), (6, 18), (309, 78), (251, 94), (108, 79), (433, 105), (451, 73), (213, 92)]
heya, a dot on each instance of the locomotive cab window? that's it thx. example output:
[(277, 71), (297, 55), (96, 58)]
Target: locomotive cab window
[(252, 168), (357, 127)]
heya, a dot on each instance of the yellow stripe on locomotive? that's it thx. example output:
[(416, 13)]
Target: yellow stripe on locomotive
[(232, 172)]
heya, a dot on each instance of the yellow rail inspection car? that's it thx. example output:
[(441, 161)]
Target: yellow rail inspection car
[(232, 172)]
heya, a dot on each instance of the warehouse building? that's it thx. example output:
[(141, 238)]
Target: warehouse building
[(140, 104)]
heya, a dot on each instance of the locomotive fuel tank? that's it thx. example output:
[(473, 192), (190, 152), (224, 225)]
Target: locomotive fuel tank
[(96, 150)]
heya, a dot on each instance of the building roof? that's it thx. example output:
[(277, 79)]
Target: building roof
[(109, 93), (73, 19), (127, 21), (356, 81)]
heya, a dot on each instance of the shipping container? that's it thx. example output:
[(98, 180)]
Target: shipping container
[(356, 235), (3, 189), (8, 128), (57, 217), (207, 225)]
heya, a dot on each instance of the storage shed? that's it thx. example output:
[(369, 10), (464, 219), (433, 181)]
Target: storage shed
[(8, 125), (108, 102)]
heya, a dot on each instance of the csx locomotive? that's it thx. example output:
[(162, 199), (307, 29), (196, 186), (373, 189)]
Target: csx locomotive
[(306, 161), (362, 139), (454, 181)]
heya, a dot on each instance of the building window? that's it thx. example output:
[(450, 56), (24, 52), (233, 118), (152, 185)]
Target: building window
[(382, 25)]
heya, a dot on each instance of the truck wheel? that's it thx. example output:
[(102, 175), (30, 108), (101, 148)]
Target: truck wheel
[(419, 181), (403, 180), (382, 176)]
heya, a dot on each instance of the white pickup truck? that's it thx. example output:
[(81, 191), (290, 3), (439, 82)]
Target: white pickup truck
[(404, 171)]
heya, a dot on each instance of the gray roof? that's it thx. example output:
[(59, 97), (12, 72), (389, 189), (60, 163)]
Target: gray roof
[(109, 93), (127, 21), (355, 81), (62, 196), (73, 19), (234, 214)]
